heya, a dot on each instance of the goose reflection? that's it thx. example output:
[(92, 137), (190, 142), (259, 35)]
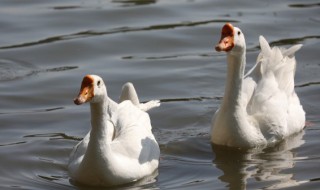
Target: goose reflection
[(264, 165)]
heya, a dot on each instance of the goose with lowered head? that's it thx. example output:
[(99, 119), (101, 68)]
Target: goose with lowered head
[(120, 148), (260, 108)]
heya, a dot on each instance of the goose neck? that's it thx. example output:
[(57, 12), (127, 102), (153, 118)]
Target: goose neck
[(99, 117), (235, 74)]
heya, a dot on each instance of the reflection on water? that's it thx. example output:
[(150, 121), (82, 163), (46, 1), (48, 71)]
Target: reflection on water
[(269, 165), (144, 183)]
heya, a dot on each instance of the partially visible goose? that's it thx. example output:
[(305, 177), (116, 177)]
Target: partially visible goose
[(260, 108), (120, 148)]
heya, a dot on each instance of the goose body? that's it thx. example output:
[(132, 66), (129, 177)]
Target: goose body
[(260, 108), (120, 148)]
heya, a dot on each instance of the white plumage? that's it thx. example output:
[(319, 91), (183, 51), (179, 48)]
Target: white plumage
[(259, 108), (120, 148)]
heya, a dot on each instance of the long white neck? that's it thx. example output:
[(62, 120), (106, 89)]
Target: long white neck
[(101, 129), (101, 112), (99, 116), (101, 134), (232, 94)]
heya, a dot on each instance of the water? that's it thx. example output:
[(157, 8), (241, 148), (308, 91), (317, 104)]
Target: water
[(166, 49)]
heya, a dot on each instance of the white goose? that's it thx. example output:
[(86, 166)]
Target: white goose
[(260, 108), (120, 148)]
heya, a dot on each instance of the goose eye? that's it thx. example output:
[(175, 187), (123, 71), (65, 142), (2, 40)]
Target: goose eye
[(98, 83), (239, 33)]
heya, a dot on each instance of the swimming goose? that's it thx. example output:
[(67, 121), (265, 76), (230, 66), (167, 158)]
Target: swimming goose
[(120, 148), (260, 108)]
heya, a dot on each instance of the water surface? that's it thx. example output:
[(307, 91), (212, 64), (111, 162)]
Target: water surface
[(166, 49)]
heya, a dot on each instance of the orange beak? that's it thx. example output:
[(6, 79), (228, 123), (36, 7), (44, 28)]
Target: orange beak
[(226, 41), (86, 91)]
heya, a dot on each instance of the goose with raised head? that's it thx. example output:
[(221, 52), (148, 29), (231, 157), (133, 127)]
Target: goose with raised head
[(260, 108), (120, 148)]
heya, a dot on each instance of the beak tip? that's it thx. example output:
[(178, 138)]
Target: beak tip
[(217, 48), (77, 101)]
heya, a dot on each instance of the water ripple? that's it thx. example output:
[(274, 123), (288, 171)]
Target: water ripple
[(304, 5), (14, 143), (66, 7), (58, 69), (307, 84), (293, 41), (201, 98), (55, 136), (16, 69), (207, 54), (32, 111), (90, 33), (126, 3)]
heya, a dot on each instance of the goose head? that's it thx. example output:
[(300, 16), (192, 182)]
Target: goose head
[(92, 90), (232, 40)]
